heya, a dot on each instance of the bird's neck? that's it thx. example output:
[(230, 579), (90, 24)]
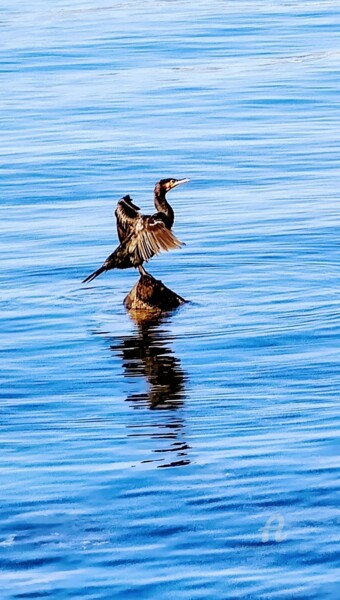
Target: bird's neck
[(163, 206)]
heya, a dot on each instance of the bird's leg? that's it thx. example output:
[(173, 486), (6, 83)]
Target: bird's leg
[(142, 271)]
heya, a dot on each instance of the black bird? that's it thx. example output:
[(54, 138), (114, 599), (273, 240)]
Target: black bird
[(142, 236)]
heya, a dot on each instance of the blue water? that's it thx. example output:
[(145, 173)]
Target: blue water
[(195, 456)]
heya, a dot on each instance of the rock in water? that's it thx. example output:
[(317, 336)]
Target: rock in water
[(150, 294)]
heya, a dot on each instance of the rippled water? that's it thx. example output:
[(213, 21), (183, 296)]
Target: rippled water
[(194, 456)]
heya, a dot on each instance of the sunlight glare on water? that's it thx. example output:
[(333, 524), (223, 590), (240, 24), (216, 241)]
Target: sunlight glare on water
[(195, 455)]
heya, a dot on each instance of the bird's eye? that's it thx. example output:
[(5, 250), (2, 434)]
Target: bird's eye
[(172, 181)]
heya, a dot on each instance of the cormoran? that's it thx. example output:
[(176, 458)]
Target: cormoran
[(142, 236)]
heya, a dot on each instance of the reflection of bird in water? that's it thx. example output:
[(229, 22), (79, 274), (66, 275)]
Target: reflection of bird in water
[(142, 236), (147, 355)]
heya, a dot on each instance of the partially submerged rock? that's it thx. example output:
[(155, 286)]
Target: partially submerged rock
[(150, 295)]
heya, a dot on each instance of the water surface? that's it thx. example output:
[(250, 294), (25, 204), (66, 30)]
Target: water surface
[(196, 455)]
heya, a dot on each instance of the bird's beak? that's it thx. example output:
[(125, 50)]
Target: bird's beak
[(179, 181)]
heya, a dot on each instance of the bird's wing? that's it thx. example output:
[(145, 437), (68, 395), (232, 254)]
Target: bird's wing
[(149, 237), (127, 213)]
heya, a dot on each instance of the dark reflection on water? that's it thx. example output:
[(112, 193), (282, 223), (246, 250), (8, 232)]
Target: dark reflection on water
[(146, 355)]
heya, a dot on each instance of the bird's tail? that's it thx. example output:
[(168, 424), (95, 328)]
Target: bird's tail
[(94, 274)]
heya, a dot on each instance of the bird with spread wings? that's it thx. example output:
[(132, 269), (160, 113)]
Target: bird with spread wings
[(142, 236)]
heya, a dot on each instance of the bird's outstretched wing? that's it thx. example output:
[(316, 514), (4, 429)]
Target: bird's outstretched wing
[(150, 236), (127, 213)]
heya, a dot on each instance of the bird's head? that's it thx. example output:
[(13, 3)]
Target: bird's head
[(165, 185)]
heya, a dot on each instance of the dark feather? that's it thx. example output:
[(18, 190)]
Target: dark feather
[(126, 214), (149, 238), (94, 274)]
